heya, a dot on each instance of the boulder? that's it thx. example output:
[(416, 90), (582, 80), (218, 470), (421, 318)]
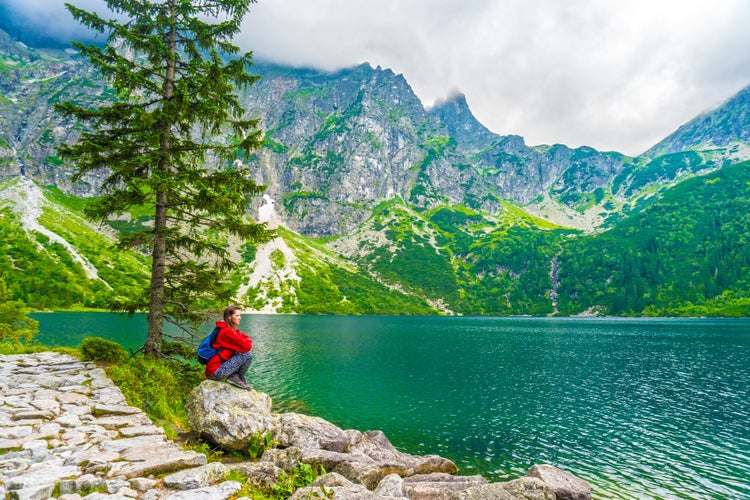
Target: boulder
[(329, 459), (565, 485), (336, 487), (367, 474), (525, 488), (305, 432), (391, 486), (355, 467), (227, 416), (376, 445), (438, 486), (286, 458), (259, 474)]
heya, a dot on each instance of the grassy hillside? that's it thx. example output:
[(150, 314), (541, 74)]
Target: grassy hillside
[(43, 272), (686, 253), (460, 260), (302, 276)]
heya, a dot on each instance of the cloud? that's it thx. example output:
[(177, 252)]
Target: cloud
[(613, 75), (45, 21)]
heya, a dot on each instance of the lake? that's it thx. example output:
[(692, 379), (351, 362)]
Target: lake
[(639, 408)]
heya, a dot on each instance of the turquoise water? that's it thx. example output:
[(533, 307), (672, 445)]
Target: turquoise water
[(640, 408)]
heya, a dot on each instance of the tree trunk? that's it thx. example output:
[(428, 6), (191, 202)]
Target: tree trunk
[(158, 263), (153, 344)]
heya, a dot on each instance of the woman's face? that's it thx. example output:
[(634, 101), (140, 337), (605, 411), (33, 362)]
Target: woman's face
[(234, 319)]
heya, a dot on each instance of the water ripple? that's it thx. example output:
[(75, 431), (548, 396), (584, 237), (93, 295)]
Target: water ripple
[(640, 409)]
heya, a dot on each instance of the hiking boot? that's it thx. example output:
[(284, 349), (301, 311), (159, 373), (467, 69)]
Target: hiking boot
[(244, 380), (237, 381)]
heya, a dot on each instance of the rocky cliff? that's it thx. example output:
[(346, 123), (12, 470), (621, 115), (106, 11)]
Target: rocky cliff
[(338, 144)]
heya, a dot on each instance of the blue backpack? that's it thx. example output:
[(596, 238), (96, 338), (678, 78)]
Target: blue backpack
[(206, 349)]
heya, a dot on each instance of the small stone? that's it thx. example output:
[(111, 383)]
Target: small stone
[(143, 484), (114, 485), (127, 492), (198, 477)]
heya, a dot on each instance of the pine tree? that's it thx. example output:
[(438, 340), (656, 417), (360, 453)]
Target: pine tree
[(169, 142)]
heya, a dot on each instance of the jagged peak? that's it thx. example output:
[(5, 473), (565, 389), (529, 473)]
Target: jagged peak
[(454, 111), (455, 98)]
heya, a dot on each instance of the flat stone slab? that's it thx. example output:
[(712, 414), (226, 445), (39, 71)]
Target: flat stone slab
[(159, 465)]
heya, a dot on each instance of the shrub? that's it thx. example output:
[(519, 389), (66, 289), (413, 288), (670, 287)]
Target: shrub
[(158, 387), (99, 349)]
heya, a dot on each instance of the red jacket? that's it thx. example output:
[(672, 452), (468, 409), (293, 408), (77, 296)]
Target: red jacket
[(228, 342)]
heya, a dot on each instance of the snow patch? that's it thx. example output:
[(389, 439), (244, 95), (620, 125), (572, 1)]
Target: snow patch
[(267, 213), (263, 268)]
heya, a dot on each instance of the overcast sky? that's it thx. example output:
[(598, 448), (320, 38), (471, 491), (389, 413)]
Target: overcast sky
[(617, 75)]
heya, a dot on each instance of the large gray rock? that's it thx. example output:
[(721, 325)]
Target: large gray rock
[(376, 445), (330, 459), (305, 432), (439, 486), (334, 486), (391, 486), (565, 485), (525, 488), (259, 474), (227, 416)]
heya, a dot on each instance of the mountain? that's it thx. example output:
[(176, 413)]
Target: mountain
[(339, 144), (33, 80), (385, 207), (687, 254), (724, 129)]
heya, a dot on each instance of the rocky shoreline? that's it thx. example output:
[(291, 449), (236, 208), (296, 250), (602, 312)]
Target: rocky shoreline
[(66, 431)]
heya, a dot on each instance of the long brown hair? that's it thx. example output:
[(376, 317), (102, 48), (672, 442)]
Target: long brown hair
[(230, 311)]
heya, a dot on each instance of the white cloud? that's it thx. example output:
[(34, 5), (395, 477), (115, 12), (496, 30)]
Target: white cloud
[(613, 75)]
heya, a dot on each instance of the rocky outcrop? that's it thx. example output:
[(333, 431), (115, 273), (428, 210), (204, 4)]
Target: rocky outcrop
[(232, 419), (360, 465), (222, 418)]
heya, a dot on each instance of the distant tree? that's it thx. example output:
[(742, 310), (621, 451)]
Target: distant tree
[(15, 324), (176, 74)]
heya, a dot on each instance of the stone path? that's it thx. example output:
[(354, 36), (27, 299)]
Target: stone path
[(66, 431)]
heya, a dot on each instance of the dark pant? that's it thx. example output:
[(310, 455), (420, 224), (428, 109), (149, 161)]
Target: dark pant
[(239, 364)]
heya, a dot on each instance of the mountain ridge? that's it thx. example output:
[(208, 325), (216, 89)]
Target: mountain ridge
[(387, 207), (338, 143)]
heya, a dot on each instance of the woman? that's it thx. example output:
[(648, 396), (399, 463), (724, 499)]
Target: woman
[(235, 351)]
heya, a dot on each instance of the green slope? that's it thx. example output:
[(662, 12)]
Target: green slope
[(43, 272), (302, 276), (685, 254)]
